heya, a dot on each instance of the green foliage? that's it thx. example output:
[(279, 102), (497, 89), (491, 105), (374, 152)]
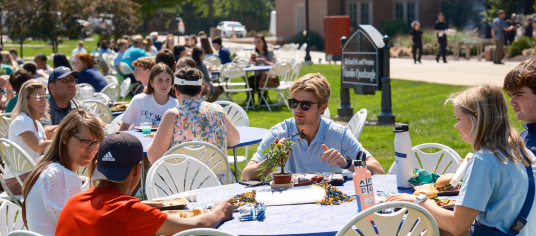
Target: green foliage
[(316, 41), (394, 27), (276, 156), (509, 6), (125, 18), (522, 43)]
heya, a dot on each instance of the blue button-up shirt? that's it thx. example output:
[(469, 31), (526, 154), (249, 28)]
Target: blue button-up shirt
[(306, 158), (529, 136), (498, 26)]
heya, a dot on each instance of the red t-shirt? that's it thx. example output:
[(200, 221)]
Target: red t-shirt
[(107, 211)]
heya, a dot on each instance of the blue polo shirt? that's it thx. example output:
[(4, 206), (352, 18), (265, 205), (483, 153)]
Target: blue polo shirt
[(498, 26), (529, 136), (225, 55), (307, 158), (92, 76), (132, 54)]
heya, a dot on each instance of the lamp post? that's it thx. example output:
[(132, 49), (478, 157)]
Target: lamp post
[(307, 40)]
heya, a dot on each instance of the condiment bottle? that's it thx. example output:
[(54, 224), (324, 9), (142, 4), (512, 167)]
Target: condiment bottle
[(363, 184), (403, 156)]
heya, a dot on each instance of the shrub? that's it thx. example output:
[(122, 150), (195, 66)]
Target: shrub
[(254, 33), (522, 43), (394, 27), (316, 40)]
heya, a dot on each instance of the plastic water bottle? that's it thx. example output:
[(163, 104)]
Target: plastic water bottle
[(403, 156), (86, 93), (364, 191)]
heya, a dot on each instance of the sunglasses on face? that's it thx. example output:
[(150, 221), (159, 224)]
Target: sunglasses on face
[(86, 143), (305, 105), (38, 97)]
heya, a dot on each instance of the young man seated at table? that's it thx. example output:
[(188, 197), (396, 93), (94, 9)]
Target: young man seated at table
[(326, 147), (107, 209), (520, 83)]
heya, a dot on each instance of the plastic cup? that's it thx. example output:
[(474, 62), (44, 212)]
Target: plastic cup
[(146, 127), (199, 199)]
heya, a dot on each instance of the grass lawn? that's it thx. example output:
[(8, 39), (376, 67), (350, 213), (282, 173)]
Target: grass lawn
[(33, 47), (419, 104)]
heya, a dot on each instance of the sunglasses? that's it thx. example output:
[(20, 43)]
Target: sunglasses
[(38, 97), (305, 105), (86, 143)]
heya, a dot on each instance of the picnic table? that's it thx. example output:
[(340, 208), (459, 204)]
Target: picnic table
[(248, 69), (302, 219)]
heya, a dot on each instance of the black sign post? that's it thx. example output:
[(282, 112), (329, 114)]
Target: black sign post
[(365, 66)]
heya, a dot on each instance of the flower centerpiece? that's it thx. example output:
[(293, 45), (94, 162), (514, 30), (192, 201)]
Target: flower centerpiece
[(276, 156)]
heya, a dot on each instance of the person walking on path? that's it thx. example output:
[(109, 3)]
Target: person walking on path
[(498, 27), (439, 28), (417, 38)]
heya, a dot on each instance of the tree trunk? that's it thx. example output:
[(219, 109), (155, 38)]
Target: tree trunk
[(210, 12)]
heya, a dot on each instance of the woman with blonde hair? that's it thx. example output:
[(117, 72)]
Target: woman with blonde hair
[(149, 46), (54, 180), (8, 64), (25, 129), (494, 190)]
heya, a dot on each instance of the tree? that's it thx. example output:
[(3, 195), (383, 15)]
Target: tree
[(232, 8), (509, 6), (122, 15)]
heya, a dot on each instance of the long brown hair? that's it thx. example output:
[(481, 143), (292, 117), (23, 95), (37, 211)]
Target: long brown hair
[(264, 47), (156, 70), (485, 106), (58, 152), (205, 44)]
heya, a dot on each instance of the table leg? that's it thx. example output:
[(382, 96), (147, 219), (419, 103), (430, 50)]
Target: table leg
[(235, 164)]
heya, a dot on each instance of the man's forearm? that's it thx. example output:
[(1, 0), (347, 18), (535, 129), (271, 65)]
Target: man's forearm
[(251, 172)]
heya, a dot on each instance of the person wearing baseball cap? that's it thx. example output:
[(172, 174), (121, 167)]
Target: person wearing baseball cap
[(135, 52), (157, 43), (107, 209), (61, 86)]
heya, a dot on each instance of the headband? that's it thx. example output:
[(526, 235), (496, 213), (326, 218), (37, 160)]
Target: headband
[(179, 81)]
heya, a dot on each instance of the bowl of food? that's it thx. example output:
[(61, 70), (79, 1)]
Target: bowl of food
[(172, 203)]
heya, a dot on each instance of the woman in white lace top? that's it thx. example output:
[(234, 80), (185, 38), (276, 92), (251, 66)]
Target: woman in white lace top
[(54, 180)]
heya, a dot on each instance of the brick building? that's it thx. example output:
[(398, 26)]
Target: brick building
[(291, 13)]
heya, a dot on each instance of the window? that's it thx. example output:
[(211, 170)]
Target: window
[(399, 10), (352, 12), (365, 13), (300, 18), (411, 13), (360, 12), (408, 11)]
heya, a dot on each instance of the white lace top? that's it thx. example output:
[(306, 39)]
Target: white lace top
[(47, 197)]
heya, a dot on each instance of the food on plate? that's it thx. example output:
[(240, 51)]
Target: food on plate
[(444, 202), (187, 213), (306, 179), (198, 211), (443, 183), (119, 107), (426, 189)]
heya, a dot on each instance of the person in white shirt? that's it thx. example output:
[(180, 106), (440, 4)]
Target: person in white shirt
[(25, 129), (157, 98), (78, 49), (54, 180)]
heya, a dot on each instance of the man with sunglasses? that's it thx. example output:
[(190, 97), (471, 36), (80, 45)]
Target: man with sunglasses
[(321, 145), (61, 86)]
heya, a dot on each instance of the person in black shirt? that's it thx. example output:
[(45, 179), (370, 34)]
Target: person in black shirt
[(511, 35), (417, 39), (527, 31), (439, 28)]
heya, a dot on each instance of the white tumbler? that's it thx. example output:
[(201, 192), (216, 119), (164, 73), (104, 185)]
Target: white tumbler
[(403, 156)]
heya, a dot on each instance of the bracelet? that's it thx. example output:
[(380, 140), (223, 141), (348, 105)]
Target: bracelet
[(349, 162), (10, 91)]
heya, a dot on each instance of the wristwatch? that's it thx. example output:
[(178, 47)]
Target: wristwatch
[(420, 198)]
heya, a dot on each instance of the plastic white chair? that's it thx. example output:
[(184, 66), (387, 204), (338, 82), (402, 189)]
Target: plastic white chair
[(125, 69), (241, 61), (43, 80), (112, 91), (101, 97), (326, 114), (7, 194), (23, 232), (444, 161), (124, 88), (108, 59), (214, 61), (204, 231), (281, 69), (303, 47), (10, 218), (100, 110), (110, 79), (5, 121), (85, 182), (116, 123), (233, 71), (82, 171), (78, 87), (209, 155), (16, 159), (417, 222), (239, 117), (177, 173), (357, 123)]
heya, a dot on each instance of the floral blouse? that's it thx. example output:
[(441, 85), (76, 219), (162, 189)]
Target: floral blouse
[(197, 120)]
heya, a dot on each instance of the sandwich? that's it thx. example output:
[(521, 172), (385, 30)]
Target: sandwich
[(443, 183), (426, 189)]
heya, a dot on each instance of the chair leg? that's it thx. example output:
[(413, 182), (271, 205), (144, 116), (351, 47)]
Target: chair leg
[(284, 100)]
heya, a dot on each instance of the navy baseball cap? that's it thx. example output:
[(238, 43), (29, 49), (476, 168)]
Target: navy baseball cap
[(118, 153), (61, 72)]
